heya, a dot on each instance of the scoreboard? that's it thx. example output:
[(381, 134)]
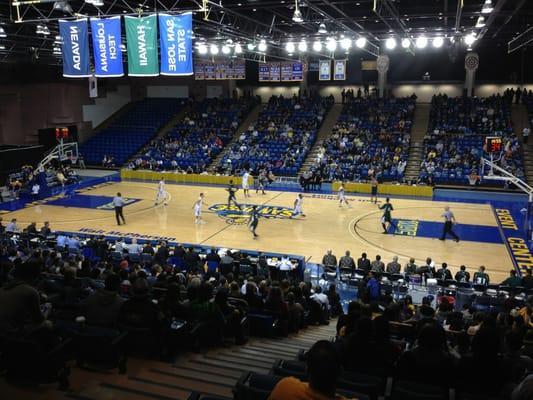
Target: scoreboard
[(493, 144)]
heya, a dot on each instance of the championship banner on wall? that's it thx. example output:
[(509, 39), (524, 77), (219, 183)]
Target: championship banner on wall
[(106, 47), (275, 72), (264, 72), (324, 70), (220, 71), (209, 71), (75, 48), (199, 71), (297, 72), (175, 33), (230, 74), (286, 71), (339, 70), (239, 69), (141, 38)]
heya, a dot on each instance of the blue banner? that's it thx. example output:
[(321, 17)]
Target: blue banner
[(106, 47), (75, 48), (175, 33)]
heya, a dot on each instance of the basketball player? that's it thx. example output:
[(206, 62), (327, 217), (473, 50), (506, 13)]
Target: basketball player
[(342, 197), (262, 181), (374, 191), (231, 194), (387, 218), (298, 206), (245, 183), (254, 220), (198, 209), (161, 193)]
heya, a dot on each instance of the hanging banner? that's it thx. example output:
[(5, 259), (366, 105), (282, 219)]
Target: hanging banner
[(199, 71), (275, 72), (141, 38), (209, 71), (264, 72), (175, 35), (324, 70), (297, 72), (286, 71), (230, 74), (220, 71), (106, 47), (75, 48), (239, 69), (93, 87), (339, 70)]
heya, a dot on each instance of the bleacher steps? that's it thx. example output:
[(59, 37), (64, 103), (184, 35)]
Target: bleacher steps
[(416, 148), (330, 119), (214, 373), (162, 131), (520, 119), (251, 118)]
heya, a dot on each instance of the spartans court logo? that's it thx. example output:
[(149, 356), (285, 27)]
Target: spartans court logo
[(234, 215)]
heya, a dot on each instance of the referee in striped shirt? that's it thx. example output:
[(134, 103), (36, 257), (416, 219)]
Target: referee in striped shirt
[(119, 203), (449, 221)]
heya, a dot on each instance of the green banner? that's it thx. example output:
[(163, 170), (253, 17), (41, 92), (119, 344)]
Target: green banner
[(141, 40)]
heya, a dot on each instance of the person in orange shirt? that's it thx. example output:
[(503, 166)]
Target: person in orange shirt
[(323, 369)]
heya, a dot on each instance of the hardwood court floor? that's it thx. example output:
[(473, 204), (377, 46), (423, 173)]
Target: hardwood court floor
[(326, 226)]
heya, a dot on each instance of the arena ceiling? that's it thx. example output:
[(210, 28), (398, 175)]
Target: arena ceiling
[(28, 28)]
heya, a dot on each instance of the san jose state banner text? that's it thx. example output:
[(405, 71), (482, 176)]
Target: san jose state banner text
[(175, 34)]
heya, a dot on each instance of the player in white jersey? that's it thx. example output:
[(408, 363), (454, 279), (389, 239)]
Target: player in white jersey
[(198, 209), (161, 193), (246, 183), (298, 206), (342, 197)]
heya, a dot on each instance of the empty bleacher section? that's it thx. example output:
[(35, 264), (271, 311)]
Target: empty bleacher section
[(198, 138), (370, 134), (131, 131), (456, 134), (281, 138)]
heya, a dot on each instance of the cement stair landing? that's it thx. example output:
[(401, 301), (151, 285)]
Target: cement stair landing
[(213, 372), (251, 118), (416, 148), (323, 133)]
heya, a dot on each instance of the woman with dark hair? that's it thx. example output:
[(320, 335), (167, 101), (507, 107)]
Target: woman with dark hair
[(429, 361), (276, 305), (232, 317)]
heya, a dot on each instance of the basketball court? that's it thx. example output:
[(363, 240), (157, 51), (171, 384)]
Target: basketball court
[(326, 225)]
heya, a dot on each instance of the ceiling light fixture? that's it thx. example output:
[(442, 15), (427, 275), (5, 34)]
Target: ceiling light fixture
[(317, 46), (346, 43), (406, 43), (302, 46), (297, 16), (438, 42), (202, 48), (487, 7), (262, 45), (213, 49), (360, 42), (421, 42), (238, 48), (390, 43), (322, 28), (226, 49), (290, 47), (331, 44)]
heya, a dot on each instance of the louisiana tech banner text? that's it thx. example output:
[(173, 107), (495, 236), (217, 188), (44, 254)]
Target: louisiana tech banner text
[(106, 47), (75, 48), (141, 41), (175, 34)]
